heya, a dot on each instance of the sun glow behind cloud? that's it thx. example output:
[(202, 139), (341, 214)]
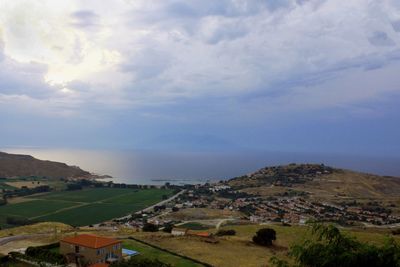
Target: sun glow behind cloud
[(146, 52), (43, 32)]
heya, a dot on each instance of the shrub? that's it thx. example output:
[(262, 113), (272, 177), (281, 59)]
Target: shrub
[(175, 209), (139, 262), (330, 248), (396, 232), (18, 221), (3, 202), (168, 228), (225, 232), (149, 227), (44, 254), (73, 187), (264, 237)]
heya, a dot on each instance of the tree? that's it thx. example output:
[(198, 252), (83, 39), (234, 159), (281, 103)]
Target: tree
[(139, 262), (175, 209), (168, 228), (264, 237), (45, 254), (72, 187), (149, 227), (223, 232), (328, 247)]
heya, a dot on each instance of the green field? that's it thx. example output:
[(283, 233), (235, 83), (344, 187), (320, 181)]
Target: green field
[(84, 207), (34, 208), (88, 195), (153, 253), (6, 186), (195, 226)]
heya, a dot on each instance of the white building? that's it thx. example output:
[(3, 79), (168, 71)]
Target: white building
[(179, 231)]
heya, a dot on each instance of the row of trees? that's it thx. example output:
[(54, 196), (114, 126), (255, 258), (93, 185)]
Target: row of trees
[(140, 262), (19, 221), (328, 247), (45, 254), (26, 191)]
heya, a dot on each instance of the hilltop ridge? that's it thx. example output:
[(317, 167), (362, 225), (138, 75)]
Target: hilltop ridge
[(14, 165), (318, 180)]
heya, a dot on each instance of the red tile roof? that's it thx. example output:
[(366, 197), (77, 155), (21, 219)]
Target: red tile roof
[(91, 241), (202, 234)]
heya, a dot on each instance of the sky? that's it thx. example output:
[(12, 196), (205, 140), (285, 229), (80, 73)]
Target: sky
[(277, 75)]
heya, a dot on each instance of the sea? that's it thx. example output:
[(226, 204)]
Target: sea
[(192, 167)]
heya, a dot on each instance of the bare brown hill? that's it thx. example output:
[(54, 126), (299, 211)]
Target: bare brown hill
[(12, 165), (319, 181)]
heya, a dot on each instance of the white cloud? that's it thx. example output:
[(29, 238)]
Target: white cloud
[(136, 53), (41, 31)]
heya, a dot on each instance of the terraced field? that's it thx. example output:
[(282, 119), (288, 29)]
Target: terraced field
[(83, 207)]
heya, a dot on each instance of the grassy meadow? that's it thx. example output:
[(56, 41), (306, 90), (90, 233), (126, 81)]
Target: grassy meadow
[(245, 252), (83, 207), (153, 253)]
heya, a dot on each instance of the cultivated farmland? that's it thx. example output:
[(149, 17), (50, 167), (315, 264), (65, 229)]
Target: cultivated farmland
[(83, 207)]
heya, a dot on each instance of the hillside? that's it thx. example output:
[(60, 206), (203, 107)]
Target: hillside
[(319, 181), (12, 165)]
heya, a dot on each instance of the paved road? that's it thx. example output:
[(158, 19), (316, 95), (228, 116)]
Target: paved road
[(222, 221), (162, 202), (8, 239)]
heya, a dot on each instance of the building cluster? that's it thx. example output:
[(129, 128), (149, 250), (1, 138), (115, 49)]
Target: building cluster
[(293, 208), (298, 211), (287, 208)]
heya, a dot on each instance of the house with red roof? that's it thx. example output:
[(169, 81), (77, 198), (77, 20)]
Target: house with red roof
[(91, 249)]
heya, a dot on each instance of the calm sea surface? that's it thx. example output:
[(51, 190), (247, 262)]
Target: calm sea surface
[(151, 167)]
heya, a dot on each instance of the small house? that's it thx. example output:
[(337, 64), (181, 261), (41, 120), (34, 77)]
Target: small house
[(91, 249), (179, 231)]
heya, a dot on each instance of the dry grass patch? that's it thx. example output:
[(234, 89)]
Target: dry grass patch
[(227, 252), (28, 184), (202, 214), (239, 250), (38, 228)]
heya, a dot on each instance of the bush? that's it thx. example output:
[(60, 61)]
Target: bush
[(175, 209), (396, 232), (168, 228), (44, 254), (330, 248), (18, 221), (139, 262), (149, 227), (3, 202), (264, 237), (226, 232), (4, 259), (73, 187)]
